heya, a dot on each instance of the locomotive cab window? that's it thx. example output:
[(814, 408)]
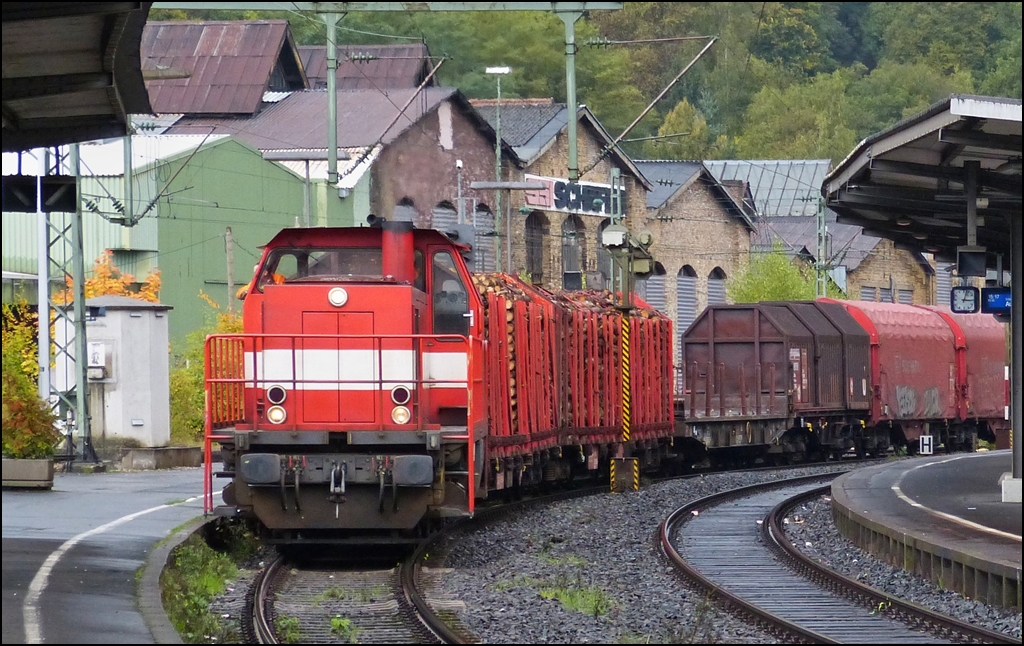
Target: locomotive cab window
[(321, 265), (449, 296)]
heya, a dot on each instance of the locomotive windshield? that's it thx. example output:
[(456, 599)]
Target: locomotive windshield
[(290, 265)]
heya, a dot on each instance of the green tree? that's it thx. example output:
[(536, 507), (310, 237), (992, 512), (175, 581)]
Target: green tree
[(772, 276), (894, 91), (948, 36), (803, 121), (698, 143)]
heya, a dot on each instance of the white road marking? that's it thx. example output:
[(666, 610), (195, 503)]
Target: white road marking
[(33, 631), (956, 519)]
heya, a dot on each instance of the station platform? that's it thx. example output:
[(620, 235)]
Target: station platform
[(941, 517), (72, 556)]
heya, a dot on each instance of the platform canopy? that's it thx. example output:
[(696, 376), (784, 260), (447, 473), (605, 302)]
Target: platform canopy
[(911, 182), (71, 71)]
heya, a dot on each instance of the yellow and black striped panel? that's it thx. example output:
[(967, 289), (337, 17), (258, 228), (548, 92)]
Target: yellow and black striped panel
[(627, 415)]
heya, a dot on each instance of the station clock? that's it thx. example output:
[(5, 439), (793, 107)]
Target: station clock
[(964, 300)]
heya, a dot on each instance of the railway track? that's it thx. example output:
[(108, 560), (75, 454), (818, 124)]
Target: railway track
[(390, 605), (324, 604), (733, 546)]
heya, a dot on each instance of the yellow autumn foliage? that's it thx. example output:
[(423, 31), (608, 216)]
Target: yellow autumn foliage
[(108, 280)]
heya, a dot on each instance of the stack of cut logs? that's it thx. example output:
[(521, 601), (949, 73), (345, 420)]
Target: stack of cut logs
[(502, 290), (506, 292)]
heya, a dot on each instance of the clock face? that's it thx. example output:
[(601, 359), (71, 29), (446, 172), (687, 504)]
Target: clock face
[(964, 300)]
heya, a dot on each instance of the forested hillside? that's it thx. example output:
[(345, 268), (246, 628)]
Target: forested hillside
[(784, 79)]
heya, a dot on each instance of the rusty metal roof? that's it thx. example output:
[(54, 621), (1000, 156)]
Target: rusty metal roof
[(300, 121), (229, 65), (364, 67)]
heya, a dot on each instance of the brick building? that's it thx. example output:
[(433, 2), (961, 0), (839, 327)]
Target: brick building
[(554, 235), (863, 267), (701, 233)]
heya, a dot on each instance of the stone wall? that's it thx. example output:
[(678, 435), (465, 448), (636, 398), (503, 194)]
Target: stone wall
[(887, 267)]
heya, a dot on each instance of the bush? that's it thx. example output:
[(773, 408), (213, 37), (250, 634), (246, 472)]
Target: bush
[(28, 423), (186, 379)]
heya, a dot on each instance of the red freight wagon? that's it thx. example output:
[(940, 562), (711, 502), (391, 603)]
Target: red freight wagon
[(785, 378), (981, 372), (913, 365)]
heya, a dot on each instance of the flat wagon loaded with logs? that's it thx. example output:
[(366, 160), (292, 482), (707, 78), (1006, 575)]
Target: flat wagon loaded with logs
[(555, 380), (379, 385)]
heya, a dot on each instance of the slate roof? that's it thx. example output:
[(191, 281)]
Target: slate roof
[(668, 177), (231, 65), (300, 121), (780, 187), (799, 235), (530, 126), (394, 66)]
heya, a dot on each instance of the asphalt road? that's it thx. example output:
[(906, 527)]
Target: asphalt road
[(70, 555)]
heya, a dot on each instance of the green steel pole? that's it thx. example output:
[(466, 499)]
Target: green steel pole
[(332, 97), (570, 18)]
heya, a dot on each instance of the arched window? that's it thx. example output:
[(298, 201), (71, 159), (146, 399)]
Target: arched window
[(573, 252), (444, 216), (405, 210), (686, 298), (716, 287), (483, 251), (652, 289), (537, 231)]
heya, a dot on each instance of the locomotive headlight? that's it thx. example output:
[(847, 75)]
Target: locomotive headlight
[(400, 395), (276, 394), (276, 414), (400, 415), (337, 296)]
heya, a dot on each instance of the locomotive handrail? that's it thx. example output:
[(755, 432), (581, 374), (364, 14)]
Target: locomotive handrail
[(225, 381)]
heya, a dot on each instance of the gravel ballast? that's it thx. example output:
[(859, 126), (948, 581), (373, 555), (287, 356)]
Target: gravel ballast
[(508, 573), (606, 545)]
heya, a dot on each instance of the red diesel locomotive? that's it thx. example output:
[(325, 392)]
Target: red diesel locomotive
[(376, 386), (379, 385)]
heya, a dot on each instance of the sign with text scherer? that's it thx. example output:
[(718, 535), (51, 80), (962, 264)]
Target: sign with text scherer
[(590, 198)]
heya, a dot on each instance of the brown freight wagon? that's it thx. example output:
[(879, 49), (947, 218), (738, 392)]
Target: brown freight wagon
[(780, 378)]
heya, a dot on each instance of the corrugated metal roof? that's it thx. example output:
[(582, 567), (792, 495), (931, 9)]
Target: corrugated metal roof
[(392, 66), (230, 64), (274, 97), (300, 121), (780, 187)]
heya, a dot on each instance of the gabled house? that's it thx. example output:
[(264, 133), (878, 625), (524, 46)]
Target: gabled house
[(863, 267), (554, 234), (407, 151), (702, 231), (786, 197)]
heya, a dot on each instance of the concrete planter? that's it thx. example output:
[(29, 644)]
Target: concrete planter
[(34, 474)]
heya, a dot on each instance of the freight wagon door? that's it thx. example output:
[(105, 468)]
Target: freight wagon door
[(800, 344), (828, 355), (856, 359)]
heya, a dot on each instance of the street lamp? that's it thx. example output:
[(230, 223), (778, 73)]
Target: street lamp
[(498, 72)]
